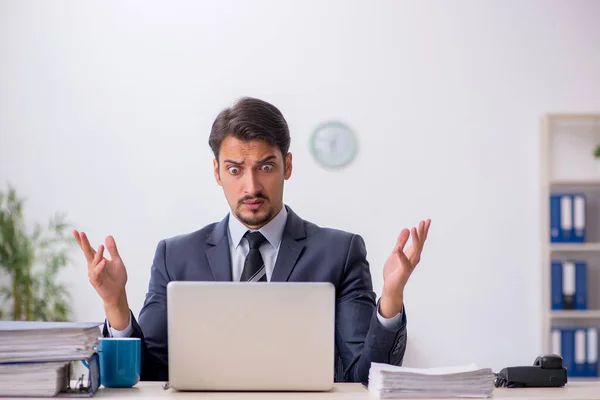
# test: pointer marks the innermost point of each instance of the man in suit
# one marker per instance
(262, 239)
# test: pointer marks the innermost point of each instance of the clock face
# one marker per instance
(333, 145)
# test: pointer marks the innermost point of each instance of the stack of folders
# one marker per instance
(567, 217)
(579, 349)
(389, 382)
(36, 357)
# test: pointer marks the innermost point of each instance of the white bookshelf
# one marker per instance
(575, 247)
(574, 314)
(567, 165)
(578, 183)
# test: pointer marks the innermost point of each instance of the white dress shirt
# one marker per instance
(239, 248)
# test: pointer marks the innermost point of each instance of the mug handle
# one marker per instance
(84, 362)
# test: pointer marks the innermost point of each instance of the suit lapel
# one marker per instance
(290, 248)
(218, 256)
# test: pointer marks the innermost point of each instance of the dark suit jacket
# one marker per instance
(307, 253)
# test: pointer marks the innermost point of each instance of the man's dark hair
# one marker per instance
(250, 119)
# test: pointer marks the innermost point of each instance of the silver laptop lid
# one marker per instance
(251, 336)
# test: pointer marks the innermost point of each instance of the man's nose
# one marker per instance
(252, 184)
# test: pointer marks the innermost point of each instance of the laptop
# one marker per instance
(257, 336)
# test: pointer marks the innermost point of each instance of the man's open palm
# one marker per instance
(108, 277)
(402, 262)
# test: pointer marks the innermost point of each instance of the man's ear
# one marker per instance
(288, 166)
(216, 171)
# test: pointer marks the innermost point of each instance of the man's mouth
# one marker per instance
(253, 204)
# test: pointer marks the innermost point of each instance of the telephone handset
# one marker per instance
(546, 371)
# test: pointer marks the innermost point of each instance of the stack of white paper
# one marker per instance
(22, 341)
(35, 356)
(33, 379)
(388, 382)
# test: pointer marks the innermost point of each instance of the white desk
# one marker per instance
(154, 390)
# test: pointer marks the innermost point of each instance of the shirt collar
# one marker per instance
(273, 231)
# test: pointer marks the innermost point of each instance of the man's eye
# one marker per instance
(234, 170)
(267, 167)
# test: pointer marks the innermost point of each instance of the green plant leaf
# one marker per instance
(32, 261)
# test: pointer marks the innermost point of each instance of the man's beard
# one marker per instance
(254, 219)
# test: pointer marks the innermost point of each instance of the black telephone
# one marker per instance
(546, 371)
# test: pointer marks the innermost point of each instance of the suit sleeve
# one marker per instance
(152, 326)
(361, 337)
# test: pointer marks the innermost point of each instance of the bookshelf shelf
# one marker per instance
(575, 183)
(575, 314)
(573, 247)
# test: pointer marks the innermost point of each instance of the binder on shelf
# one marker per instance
(568, 285)
(581, 285)
(592, 353)
(555, 228)
(567, 345)
(556, 341)
(556, 284)
(566, 218)
(579, 216)
(580, 360)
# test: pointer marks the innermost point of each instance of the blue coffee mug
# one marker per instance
(120, 362)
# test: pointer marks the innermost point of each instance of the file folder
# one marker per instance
(36, 358)
(579, 216)
(555, 228)
(566, 218)
(84, 387)
(580, 368)
(592, 352)
(556, 341)
(568, 350)
(556, 290)
(48, 379)
(581, 285)
(568, 285)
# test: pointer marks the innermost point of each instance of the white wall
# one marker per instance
(105, 110)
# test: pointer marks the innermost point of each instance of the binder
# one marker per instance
(555, 229)
(580, 364)
(580, 285)
(556, 341)
(566, 218)
(568, 285)
(592, 352)
(568, 351)
(579, 217)
(22, 376)
(36, 358)
(84, 387)
(556, 284)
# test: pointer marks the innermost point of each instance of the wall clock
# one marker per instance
(333, 145)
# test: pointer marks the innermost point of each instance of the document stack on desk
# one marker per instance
(47, 341)
(33, 379)
(35, 357)
(389, 382)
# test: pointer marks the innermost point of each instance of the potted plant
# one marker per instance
(30, 261)
(597, 156)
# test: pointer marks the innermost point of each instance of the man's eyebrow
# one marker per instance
(271, 157)
(233, 162)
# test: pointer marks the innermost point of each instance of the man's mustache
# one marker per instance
(257, 196)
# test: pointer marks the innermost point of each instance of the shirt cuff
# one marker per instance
(116, 333)
(390, 323)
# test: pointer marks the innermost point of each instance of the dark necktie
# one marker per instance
(254, 266)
